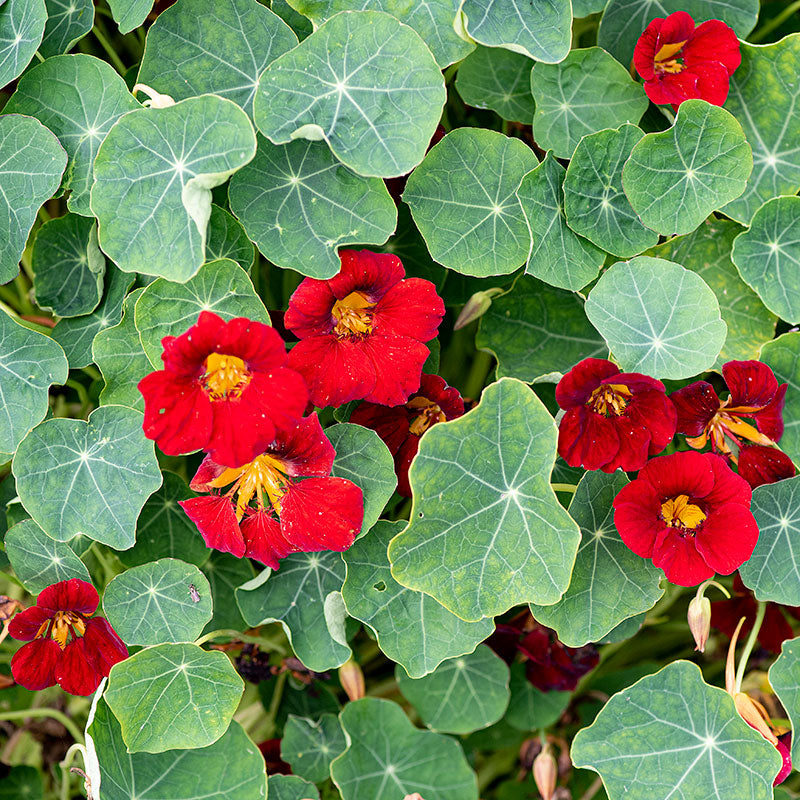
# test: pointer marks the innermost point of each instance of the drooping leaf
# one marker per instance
(173, 697)
(657, 317)
(309, 746)
(784, 677)
(290, 787)
(153, 176)
(68, 21)
(379, 124)
(91, 98)
(529, 708)
(22, 24)
(304, 596)
(486, 530)
(388, 757)
(412, 628)
(226, 238)
(566, 96)
(226, 573)
(130, 14)
(782, 355)
(91, 478)
(676, 178)
(610, 583)
(673, 730)
(463, 200)
(300, 205)
(195, 48)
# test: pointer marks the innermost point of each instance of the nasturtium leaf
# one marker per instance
(22, 783)
(594, 202)
(559, 256)
(304, 596)
(226, 238)
(118, 353)
(388, 757)
(625, 630)
(676, 178)
(300, 205)
(31, 165)
(673, 732)
(486, 530)
(91, 97)
(610, 583)
(226, 573)
(365, 83)
(412, 628)
(40, 561)
(568, 106)
(657, 317)
(129, 14)
(707, 251)
(67, 22)
(535, 330)
(173, 697)
(68, 267)
(290, 787)
(230, 769)
(462, 695)
(540, 29)
(30, 363)
(768, 256)
(195, 48)
(529, 708)
(22, 24)
(499, 79)
(784, 677)
(363, 458)
(154, 603)
(782, 355)
(153, 177)
(309, 746)
(170, 309)
(76, 334)
(582, 8)
(463, 200)
(91, 478)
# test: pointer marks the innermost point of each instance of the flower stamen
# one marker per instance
(610, 399)
(224, 376)
(263, 475)
(427, 413)
(678, 512)
(353, 315)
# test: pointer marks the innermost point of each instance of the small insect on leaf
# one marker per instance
(193, 593)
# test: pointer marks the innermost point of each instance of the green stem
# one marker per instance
(750, 644)
(105, 564)
(83, 396)
(767, 28)
(563, 487)
(110, 51)
(481, 364)
(65, 764)
(52, 713)
(226, 633)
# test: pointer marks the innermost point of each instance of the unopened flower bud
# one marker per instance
(699, 617)
(415, 796)
(155, 99)
(352, 679)
(545, 773)
(476, 307)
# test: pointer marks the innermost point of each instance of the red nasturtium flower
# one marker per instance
(362, 332)
(680, 62)
(401, 427)
(613, 419)
(283, 501)
(224, 388)
(690, 513)
(64, 645)
(759, 465)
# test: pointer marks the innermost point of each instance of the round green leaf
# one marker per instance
(173, 697)
(30, 363)
(388, 757)
(31, 165)
(227, 239)
(376, 106)
(91, 98)
(170, 309)
(676, 178)
(559, 256)
(486, 530)
(535, 331)
(673, 730)
(130, 14)
(610, 583)
(153, 176)
(68, 21)
(226, 573)
(566, 97)
(462, 695)
(195, 48)
(464, 202)
(290, 787)
(40, 561)
(782, 355)
(657, 317)
(300, 205)
(162, 601)
(91, 478)
(768, 256)
(309, 746)
(22, 24)
(540, 29)
(499, 79)
(784, 677)
(304, 596)
(412, 628)
(529, 708)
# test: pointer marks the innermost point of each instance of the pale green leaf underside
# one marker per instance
(486, 531)
(67, 22)
(130, 14)
(782, 355)
(226, 238)
(22, 24)
(784, 677)
(309, 746)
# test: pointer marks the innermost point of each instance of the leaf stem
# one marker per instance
(481, 364)
(52, 713)
(110, 51)
(767, 28)
(750, 644)
(65, 764)
(240, 637)
(563, 487)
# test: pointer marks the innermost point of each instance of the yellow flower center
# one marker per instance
(225, 376)
(678, 512)
(610, 399)
(59, 627)
(428, 413)
(263, 475)
(664, 61)
(353, 315)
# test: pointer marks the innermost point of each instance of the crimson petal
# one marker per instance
(25, 625)
(696, 405)
(103, 646)
(74, 673)
(33, 665)
(215, 518)
(71, 595)
(759, 464)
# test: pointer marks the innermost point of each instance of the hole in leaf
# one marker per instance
(380, 586)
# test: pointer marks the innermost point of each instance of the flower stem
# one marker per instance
(65, 764)
(28, 713)
(767, 28)
(750, 644)
(110, 51)
(563, 487)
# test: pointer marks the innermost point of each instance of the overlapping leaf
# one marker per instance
(130, 14)
(290, 787)
(226, 238)
(784, 677)
(68, 21)
(309, 746)
(22, 24)
(529, 708)
(782, 355)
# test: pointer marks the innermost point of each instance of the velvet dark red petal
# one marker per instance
(391, 424)
(784, 748)
(770, 419)
(446, 397)
(103, 647)
(688, 473)
(634, 445)
(34, 664)
(637, 510)
(728, 486)
(696, 405)
(759, 464)
(208, 471)
(577, 385)
(372, 274)
(711, 82)
(25, 625)
(74, 673)
(215, 518)
(654, 411)
(303, 449)
(310, 309)
(264, 540)
(644, 54)
(716, 41)
(402, 464)
(727, 538)
(410, 308)
(679, 558)
(751, 383)
(677, 27)
(71, 595)
(587, 439)
(397, 362)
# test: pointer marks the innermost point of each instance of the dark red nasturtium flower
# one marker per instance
(680, 62)
(401, 427)
(362, 332)
(759, 464)
(283, 501)
(689, 513)
(224, 388)
(613, 420)
(64, 645)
